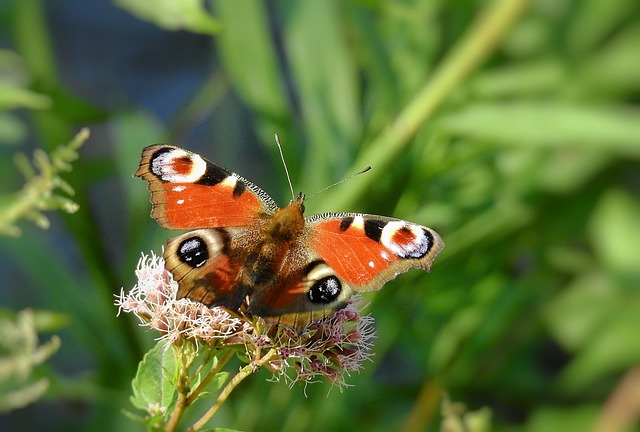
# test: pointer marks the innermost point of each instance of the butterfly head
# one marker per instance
(298, 200)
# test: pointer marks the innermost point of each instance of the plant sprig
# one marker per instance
(38, 194)
(192, 361)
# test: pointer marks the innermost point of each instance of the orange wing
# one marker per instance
(365, 251)
(339, 254)
(188, 191)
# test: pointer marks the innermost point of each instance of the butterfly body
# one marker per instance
(292, 269)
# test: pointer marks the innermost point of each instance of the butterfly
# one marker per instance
(292, 270)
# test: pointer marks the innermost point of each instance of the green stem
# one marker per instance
(476, 45)
(184, 361)
(212, 373)
(237, 379)
(178, 411)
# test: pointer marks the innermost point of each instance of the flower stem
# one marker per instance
(237, 379)
(177, 413)
(182, 386)
(212, 373)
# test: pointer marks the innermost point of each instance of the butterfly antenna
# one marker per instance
(286, 170)
(362, 171)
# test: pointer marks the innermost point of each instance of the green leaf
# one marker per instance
(615, 232)
(188, 15)
(612, 348)
(220, 430)
(594, 21)
(581, 418)
(154, 383)
(12, 130)
(582, 308)
(519, 79)
(614, 67)
(598, 315)
(49, 321)
(12, 97)
(325, 76)
(597, 318)
(550, 125)
(215, 383)
(250, 58)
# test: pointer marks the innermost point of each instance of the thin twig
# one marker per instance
(178, 411)
(182, 386)
(212, 373)
(237, 379)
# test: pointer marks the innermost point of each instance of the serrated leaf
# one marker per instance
(154, 383)
(153, 422)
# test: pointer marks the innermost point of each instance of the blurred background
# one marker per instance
(511, 127)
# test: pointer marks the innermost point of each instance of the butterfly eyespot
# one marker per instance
(193, 252)
(325, 290)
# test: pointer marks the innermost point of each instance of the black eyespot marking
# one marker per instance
(193, 252)
(325, 290)
(345, 223)
(373, 228)
(213, 175)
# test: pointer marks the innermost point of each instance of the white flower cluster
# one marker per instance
(331, 347)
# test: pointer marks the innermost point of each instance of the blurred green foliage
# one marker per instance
(516, 136)
(20, 353)
(39, 194)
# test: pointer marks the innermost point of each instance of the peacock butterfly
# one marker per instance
(292, 270)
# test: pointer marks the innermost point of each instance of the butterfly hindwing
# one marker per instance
(338, 255)
(208, 266)
(188, 191)
(306, 289)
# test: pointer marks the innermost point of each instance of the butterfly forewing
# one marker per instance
(367, 250)
(188, 191)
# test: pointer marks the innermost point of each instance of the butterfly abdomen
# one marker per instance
(267, 261)
(279, 232)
